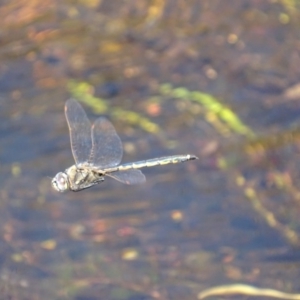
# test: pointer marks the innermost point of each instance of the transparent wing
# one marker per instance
(128, 177)
(80, 131)
(107, 148)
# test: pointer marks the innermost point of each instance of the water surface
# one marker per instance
(174, 77)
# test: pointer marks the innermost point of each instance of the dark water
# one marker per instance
(204, 77)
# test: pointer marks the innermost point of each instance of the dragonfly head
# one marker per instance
(60, 182)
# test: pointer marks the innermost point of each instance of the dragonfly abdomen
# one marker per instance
(153, 162)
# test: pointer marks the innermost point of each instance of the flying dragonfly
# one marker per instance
(98, 151)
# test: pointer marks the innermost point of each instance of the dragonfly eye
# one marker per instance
(60, 182)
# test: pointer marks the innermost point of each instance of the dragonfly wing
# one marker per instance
(107, 148)
(80, 131)
(128, 177)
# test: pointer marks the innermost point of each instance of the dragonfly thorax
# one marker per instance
(80, 178)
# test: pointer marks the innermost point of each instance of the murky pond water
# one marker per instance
(217, 79)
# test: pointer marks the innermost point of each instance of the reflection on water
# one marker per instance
(174, 77)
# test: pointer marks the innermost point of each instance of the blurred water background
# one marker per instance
(218, 79)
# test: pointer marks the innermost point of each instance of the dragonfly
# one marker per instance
(97, 151)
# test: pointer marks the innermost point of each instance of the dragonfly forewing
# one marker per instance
(107, 150)
(80, 131)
